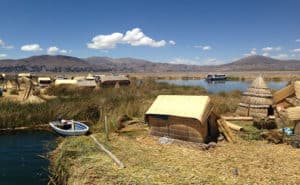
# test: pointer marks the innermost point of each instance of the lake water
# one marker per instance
(20, 162)
(225, 86)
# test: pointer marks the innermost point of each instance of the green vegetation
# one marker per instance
(250, 132)
(88, 104)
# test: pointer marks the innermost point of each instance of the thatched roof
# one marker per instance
(65, 82)
(113, 78)
(197, 107)
(256, 100)
(44, 79)
(259, 83)
(258, 95)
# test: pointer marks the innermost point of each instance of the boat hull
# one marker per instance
(79, 129)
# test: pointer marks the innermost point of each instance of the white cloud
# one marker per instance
(4, 45)
(281, 56)
(204, 48)
(172, 42)
(268, 49)
(31, 47)
(297, 50)
(266, 54)
(3, 55)
(297, 40)
(63, 51)
(52, 50)
(134, 37)
(105, 41)
(252, 52)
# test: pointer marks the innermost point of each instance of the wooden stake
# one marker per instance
(111, 155)
(106, 128)
(234, 126)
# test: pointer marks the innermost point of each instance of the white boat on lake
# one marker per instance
(69, 128)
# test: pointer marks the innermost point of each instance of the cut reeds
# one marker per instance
(283, 93)
(297, 89)
(293, 113)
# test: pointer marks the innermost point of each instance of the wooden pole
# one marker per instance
(111, 155)
(237, 118)
(234, 126)
(106, 128)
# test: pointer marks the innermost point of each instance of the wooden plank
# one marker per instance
(234, 126)
(225, 130)
(111, 155)
(237, 118)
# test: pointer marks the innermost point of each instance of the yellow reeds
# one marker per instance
(283, 93)
(297, 89)
(293, 113)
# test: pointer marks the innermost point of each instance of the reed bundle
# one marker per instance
(283, 93)
(297, 89)
(293, 113)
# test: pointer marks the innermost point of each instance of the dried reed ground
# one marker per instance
(147, 162)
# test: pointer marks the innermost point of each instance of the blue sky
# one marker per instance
(183, 31)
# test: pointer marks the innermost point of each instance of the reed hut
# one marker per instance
(188, 118)
(65, 82)
(257, 101)
(112, 81)
(44, 81)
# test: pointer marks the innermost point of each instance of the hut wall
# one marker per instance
(112, 83)
(254, 112)
(187, 129)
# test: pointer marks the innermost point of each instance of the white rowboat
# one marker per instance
(70, 128)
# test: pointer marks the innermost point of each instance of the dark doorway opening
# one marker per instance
(270, 111)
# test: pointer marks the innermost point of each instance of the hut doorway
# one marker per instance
(270, 111)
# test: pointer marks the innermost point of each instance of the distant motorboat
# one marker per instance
(69, 128)
(216, 77)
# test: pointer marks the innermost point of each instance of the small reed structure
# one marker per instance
(113, 81)
(257, 101)
(188, 118)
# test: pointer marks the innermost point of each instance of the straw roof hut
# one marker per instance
(257, 101)
(188, 118)
(113, 80)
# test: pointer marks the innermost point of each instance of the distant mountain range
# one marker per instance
(60, 63)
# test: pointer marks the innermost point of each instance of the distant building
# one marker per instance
(111, 81)
(44, 81)
(28, 75)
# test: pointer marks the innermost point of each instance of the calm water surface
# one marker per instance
(20, 162)
(225, 86)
